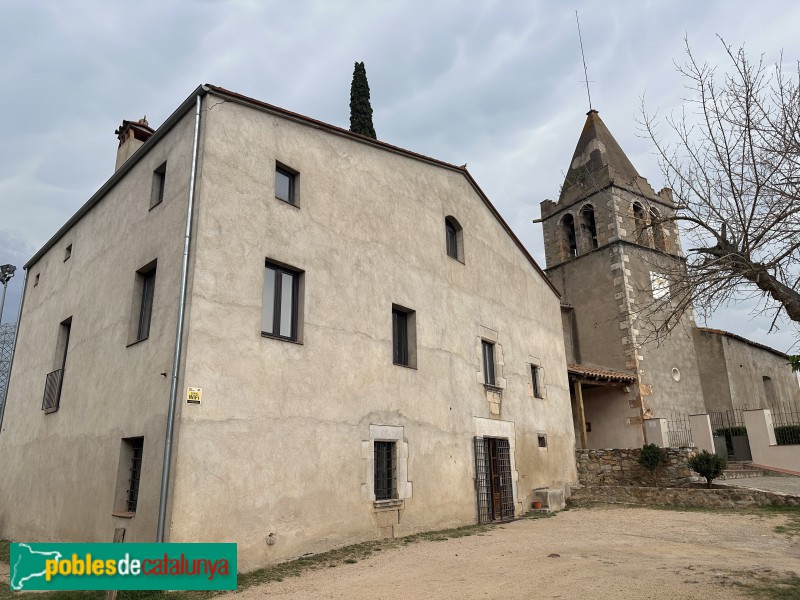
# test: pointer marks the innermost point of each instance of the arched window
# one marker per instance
(640, 232)
(568, 231)
(454, 238)
(659, 239)
(588, 226)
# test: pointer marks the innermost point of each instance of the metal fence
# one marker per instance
(7, 331)
(786, 424)
(680, 431)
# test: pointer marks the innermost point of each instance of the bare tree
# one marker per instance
(732, 160)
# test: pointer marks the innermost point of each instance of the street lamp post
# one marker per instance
(6, 273)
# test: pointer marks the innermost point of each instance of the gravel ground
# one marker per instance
(602, 553)
(787, 485)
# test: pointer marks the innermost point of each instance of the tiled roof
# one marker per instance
(600, 374)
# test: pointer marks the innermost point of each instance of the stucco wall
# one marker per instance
(763, 446)
(59, 470)
(281, 443)
(711, 362)
(747, 365)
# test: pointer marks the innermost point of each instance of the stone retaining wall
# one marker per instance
(619, 467)
(686, 497)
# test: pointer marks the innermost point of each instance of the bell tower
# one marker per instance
(609, 247)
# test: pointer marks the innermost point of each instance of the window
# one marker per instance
(385, 471)
(640, 225)
(159, 180)
(568, 235)
(488, 362)
(280, 309)
(542, 439)
(659, 238)
(148, 285)
(535, 381)
(454, 238)
(67, 253)
(55, 379)
(769, 390)
(128, 476)
(36, 281)
(588, 225)
(404, 342)
(285, 184)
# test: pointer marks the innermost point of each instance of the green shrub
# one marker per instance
(786, 435)
(651, 457)
(708, 465)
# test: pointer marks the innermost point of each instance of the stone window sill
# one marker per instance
(387, 504)
(123, 515)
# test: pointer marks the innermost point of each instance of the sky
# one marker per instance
(494, 84)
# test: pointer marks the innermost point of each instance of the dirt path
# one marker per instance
(604, 553)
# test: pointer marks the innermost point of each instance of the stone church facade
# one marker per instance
(609, 252)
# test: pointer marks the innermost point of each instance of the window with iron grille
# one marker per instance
(55, 379)
(385, 471)
(488, 362)
(281, 301)
(137, 445)
(128, 476)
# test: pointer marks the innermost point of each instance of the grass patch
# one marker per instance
(4, 550)
(787, 588)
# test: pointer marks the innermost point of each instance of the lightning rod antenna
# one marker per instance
(583, 56)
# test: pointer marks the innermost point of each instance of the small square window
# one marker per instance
(542, 438)
(280, 310)
(285, 184)
(159, 182)
(488, 363)
(385, 471)
(536, 381)
(404, 336)
(67, 253)
(36, 280)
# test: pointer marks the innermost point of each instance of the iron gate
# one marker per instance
(730, 425)
(495, 493)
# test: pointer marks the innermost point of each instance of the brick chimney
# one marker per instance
(131, 135)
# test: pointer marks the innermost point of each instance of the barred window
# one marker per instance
(385, 471)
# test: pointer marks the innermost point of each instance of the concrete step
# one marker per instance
(743, 470)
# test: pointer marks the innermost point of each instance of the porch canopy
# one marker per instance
(580, 375)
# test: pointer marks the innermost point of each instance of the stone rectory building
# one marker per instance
(366, 349)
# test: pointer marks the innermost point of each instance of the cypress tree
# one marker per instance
(360, 107)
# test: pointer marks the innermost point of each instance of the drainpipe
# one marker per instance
(13, 347)
(176, 359)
